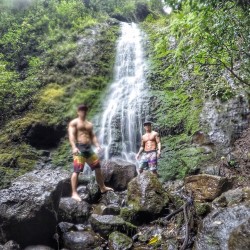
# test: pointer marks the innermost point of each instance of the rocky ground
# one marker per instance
(203, 211)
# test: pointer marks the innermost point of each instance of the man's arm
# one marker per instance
(141, 149)
(94, 138)
(158, 141)
(72, 136)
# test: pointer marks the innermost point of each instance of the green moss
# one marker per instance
(7, 159)
(50, 95)
(15, 129)
(62, 156)
(202, 209)
(89, 97)
(15, 160)
(7, 174)
(50, 107)
(121, 241)
(176, 200)
(128, 214)
(181, 160)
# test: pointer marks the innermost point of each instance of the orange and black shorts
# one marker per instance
(86, 155)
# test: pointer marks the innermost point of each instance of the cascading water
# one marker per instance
(125, 107)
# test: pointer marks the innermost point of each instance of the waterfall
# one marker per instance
(125, 106)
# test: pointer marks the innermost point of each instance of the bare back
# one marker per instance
(83, 130)
(149, 141)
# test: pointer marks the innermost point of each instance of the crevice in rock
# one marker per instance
(44, 136)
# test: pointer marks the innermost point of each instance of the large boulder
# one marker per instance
(206, 187)
(232, 197)
(106, 224)
(239, 238)
(146, 194)
(64, 227)
(79, 240)
(76, 236)
(111, 209)
(110, 198)
(109, 204)
(93, 192)
(28, 208)
(119, 241)
(221, 225)
(83, 193)
(118, 173)
(73, 211)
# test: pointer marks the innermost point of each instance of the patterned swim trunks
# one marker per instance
(148, 160)
(87, 155)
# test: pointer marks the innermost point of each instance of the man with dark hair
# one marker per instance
(150, 149)
(81, 138)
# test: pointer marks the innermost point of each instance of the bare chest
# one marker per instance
(83, 127)
(149, 137)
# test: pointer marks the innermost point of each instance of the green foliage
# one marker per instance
(198, 52)
(62, 156)
(127, 9)
(208, 39)
(15, 161)
(88, 97)
(42, 77)
(15, 94)
(178, 4)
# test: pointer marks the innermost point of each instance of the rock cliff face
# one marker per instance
(197, 126)
(225, 122)
(74, 73)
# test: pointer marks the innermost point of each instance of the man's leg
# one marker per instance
(94, 163)
(143, 163)
(100, 181)
(153, 163)
(74, 182)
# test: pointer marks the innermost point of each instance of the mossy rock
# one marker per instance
(129, 214)
(146, 194)
(119, 241)
(106, 224)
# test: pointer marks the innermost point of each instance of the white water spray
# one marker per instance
(126, 106)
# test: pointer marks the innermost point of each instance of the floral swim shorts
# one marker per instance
(86, 155)
(148, 160)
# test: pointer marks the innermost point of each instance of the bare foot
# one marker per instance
(106, 189)
(76, 197)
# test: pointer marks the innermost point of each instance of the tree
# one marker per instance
(212, 37)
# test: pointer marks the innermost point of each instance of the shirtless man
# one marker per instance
(149, 144)
(81, 137)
